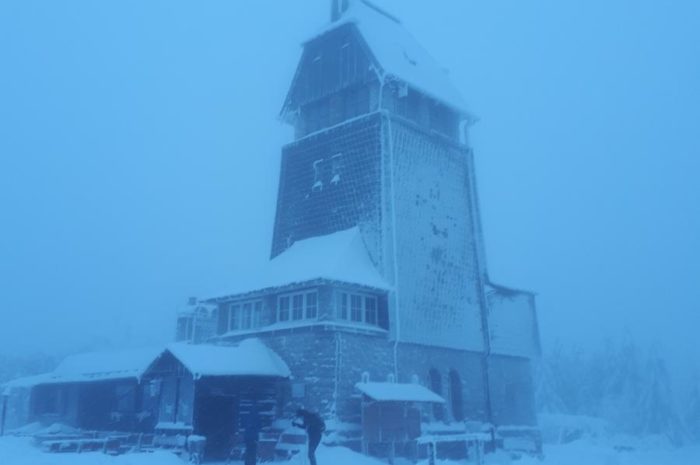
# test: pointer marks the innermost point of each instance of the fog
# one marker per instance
(139, 152)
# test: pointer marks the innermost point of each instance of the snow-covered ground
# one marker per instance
(587, 452)
(19, 451)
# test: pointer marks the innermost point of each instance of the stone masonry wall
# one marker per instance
(438, 280)
(512, 391)
(418, 360)
(330, 361)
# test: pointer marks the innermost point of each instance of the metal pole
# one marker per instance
(4, 414)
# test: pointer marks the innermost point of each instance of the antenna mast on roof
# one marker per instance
(338, 7)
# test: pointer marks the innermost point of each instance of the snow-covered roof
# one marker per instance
(93, 366)
(340, 256)
(249, 358)
(97, 366)
(398, 392)
(25, 382)
(398, 53)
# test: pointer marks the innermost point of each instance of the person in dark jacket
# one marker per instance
(314, 426)
(251, 430)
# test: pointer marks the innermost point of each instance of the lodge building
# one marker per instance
(376, 302)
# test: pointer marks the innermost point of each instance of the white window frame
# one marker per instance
(279, 308)
(235, 313)
(304, 306)
(345, 299)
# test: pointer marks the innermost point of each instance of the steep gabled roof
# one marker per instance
(341, 256)
(249, 358)
(398, 54)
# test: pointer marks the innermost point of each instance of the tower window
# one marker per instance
(356, 101)
(347, 65)
(336, 167)
(318, 175)
(316, 74)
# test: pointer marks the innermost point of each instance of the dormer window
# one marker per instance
(297, 306)
(358, 308)
(245, 315)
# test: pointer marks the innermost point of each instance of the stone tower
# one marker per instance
(379, 146)
(377, 268)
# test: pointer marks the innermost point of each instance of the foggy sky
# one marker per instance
(139, 152)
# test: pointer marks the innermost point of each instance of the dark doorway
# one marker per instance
(215, 419)
(456, 396)
(436, 387)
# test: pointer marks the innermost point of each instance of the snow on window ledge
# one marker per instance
(291, 325)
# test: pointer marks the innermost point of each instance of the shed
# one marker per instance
(391, 418)
(212, 390)
(97, 390)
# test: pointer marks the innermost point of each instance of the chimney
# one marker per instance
(338, 7)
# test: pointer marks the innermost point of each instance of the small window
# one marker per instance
(235, 316)
(317, 186)
(257, 315)
(344, 315)
(336, 167)
(154, 387)
(370, 310)
(283, 308)
(356, 308)
(316, 74)
(247, 315)
(347, 63)
(298, 306)
(311, 305)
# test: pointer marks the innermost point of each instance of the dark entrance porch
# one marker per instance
(216, 392)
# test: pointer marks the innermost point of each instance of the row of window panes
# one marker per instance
(300, 306)
(358, 308)
(245, 315)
